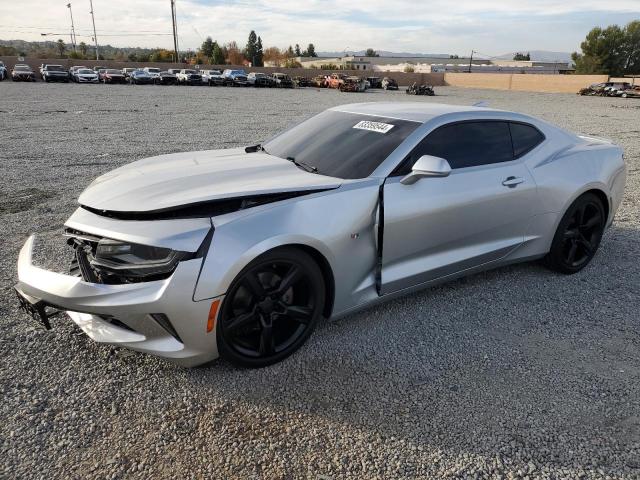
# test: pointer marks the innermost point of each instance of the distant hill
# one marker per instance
(382, 53)
(540, 56)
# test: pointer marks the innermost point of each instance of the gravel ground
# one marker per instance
(513, 373)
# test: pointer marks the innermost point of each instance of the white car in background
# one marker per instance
(212, 77)
(85, 75)
(153, 72)
(3, 71)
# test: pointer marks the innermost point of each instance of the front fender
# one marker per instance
(339, 224)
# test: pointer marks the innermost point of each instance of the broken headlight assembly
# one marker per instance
(103, 260)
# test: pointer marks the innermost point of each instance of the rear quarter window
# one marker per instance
(525, 138)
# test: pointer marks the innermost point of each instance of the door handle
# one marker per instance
(512, 182)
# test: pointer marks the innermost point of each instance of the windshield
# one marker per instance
(113, 72)
(153, 70)
(22, 68)
(340, 144)
(54, 68)
(85, 70)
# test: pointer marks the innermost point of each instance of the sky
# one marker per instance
(490, 27)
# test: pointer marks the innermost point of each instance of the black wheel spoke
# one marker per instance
(298, 313)
(586, 246)
(293, 275)
(571, 233)
(572, 252)
(267, 345)
(592, 222)
(253, 283)
(241, 321)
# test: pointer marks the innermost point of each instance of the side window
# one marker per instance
(525, 138)
(468, 144)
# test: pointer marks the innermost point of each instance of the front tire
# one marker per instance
(271, 308)
(578, 235)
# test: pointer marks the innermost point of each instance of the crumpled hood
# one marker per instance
(168, 181)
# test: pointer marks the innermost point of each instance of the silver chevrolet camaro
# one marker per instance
(239, 253)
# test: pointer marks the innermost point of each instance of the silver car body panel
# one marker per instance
(433, 230)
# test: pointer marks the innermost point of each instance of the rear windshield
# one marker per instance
(54, 68)
(153, 70)
(113, 71)
(340, 144)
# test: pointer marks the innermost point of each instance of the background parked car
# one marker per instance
(258, 79)
(282, 80)
(73, 70)
(85, 75)
(97, 68)
(22, 73)
(189, 77)
(127, 71)
(140, 77)
(374, 82)
(353, 84)
(153, 71)
(175, 71)
(207, 76)
(389, 84)
(111, 75)
(235, 77)
(302, 82)
(3, 71)
(335, 80)
(165, 78)
(319, 81)
(55, 73)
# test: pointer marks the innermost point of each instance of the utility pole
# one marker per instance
(95, 37)
(471, 59)
(73, 30)
(175, 29)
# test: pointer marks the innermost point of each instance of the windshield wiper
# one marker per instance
(304, 166)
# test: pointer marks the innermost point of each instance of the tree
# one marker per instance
(252, 47)
(207, 48)
(259, 54)
(218, 57)
(612, 51)
(273, 55)
(290, 53)
(310, 51)
(234, 55)
(83, 48)
(61, 47)
(371, 53)
(297, 51)
(409, 69)
(522, 57)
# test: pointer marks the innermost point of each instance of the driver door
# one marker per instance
(478, 214)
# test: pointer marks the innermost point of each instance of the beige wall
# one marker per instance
(523, 82)
(435, 79)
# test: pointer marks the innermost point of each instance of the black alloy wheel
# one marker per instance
(578, 235)
(271, 308)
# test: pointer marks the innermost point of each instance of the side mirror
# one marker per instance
(427, 166)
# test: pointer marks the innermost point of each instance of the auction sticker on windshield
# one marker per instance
(373, 126)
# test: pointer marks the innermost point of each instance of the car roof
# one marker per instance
(412, 111)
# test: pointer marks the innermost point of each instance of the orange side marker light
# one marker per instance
(213, 313)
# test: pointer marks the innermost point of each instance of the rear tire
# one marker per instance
(578, 235)
(271, 308)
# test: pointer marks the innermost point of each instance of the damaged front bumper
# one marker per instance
(157, 317)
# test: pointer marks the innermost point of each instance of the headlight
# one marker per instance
(134, 260)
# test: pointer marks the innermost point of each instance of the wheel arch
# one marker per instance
(327, 274)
